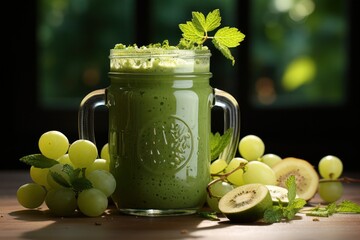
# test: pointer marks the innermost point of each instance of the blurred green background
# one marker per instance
(294, 76)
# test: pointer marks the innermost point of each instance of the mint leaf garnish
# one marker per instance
(287, 212)
(345, 206)
(195, 32)
(80, 184)
(209, 215)
(38, 160)
(71, 172)
(211, 22)
(58, 178)
(273, 214)
(291, 187)
(219, 142)
(191, 33)
(224, 50)
(228, 37)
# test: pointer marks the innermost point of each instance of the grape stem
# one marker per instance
(343, 179)
(222, 177)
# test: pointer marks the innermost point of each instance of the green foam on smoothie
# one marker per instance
(152, 59)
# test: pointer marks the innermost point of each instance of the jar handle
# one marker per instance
(231, 111)
(86, 113)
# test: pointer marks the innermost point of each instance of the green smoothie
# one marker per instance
(159, 105)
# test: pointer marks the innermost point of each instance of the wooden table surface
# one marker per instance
(17, 222)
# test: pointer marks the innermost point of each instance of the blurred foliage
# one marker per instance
(297, 47)
(298, 54)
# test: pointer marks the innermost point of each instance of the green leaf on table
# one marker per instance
(273, 214)
(38, 160)
(209, 215)
(345, 206)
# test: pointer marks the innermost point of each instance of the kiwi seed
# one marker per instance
(306, 177)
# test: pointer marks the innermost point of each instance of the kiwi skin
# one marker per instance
(248, 214)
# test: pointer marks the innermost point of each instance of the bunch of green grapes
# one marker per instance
(330, 169)
(252, 167)
(68, 177)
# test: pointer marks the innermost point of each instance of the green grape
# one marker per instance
(236, 177)
(270, 159)
(217, 166)
(82, 153)
(92, 202)
(330, 167)
(98, 164)
(104, 153)
(64, 159)
(251, 147)
(103, 180)
(218, 189)
(61, 202)
(39, 176)
(53, 144)
(57, 171)
(31, 195)
(259, 172)
(330, 191)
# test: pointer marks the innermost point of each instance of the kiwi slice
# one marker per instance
(246, 203)
(306, 177)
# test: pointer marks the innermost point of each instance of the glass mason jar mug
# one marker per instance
(159, 104)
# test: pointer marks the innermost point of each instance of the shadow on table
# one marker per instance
(115, 225)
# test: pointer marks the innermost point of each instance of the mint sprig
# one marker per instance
(77, 180)
(38, 160)
(196, 32)
(209, 215)
(345, 206)
(58, 178)
(286, 212)
(219, 142)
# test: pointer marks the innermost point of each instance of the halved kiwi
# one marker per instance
(246, 203)
(306, 177)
